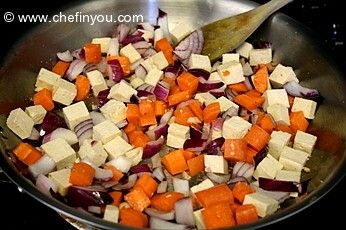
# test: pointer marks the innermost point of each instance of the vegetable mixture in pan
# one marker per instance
(140, 129)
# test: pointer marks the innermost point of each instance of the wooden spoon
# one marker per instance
(227, 34)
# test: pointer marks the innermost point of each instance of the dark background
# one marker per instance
(326, 18)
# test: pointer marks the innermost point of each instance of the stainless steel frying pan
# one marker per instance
(292, 43)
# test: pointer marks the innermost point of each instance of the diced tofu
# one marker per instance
(62, 179)
(61, 152)
(215, 164)
(153, 76)
(97, 81)
(36, 113)
(105, 131)
(180, 31)
(230, 58)
(148, 64)
(75, 114)
(248, 70)
(179, 130)
(260, 56)
(64, 92)
(214, 76)
(147, 34)
(231, 72)
(93, 152)
(281, 75)
(279, 113)
(293, 159)
(285, 175)
(205, 98)
(197, 61)
(104, 43)
(46, 79)
(226, 104)
(130, 52)
(181, 186)
(135, 155)
(199, 219)
(307, 106)
(304, 141)
(235, 128)
(117, 147)
(207, 183)
(114, 110)
(122, 91)
(111, 213)
(136, 82)
(20, 123)
(278, 140)
(267, 168)
(265, 205)
(275, 96)
(244, 50)
(175, 142)
(159, 60)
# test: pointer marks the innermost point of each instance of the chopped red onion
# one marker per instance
(230, 94)
(102, 97)
(87, 196)
(262, 44)
(122, 31)
(158, 174)
(191, 44)
(140, 72)
(293, 88)
(218, 92)
(130, 183)
(149, 52)
(205, 86)
(173, 71)
(200, 73)
(243, 169)
(76, 67)
(181, 186)
(89, 67)
(218, 178)
(35, 135)
(44, 184)
(146, 26)
(43, 166)
(161, 91)
(113, 49)
(140, 168)
(214, 147)
(109, 184)
(157, 223)
(133, 38)
(231, 112)
(103, 174)
(102, 65)
(122, 163)
(65, 56)
(166, 117)
(277, 185)
(162, 22)
(114, 70)
(162, 188)
(66, 134)
(152, 147)
(135, 65)
(78, 53)
(141, 45)
(195, 145)
(184, 212)
(94, 209)
(51, 122)
(97, 117)
(157, 132)
(276, 195)
(235, 180)
(152, 212)
(82, 127)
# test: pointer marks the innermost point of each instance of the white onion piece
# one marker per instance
(140, 72)
(293, 88)
(158, 173)
(158, 35)
(276, 195)
(69, 136)
(109, 184)
(243, 169)
(147, 26)
(184, 212)
(78, 53)
(87, 134)
(75, 68)
(94, 209)
(103, 174)
(43, 166)
(162, 187)
(35, 134)
(65, 56)
(131, 182)
(152, 212)
(157, 223)
(113, 49)
(102, 65)
(97, 117)
(165, 117)
(181, 186)
(122, 163)
(218, 178)
(44, 184)
(156, 160)
(149, 52)
(134, 65)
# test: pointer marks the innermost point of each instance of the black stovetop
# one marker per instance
(325, 17)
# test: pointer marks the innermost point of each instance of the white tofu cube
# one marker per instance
(278, 140)
(267, 168)
(20, 123)
(117, 147)
(181, 186)
(159, 60)
(61, 152)
(114, 110)
(265, 205)
(111, 213)
(285, 175)
(207, 183)
(93, 152)
(230, 58)
(199, 219)
(135, 155)
(62, 179)
(307, 106)
(279, 113)
(97, 81)
(214, 76)
(235, 128)
(75, 114)
(226, 104)
(304, 141)
(215, 164)
(180, 31)
(105, 131)
(247, 70)
(293, 159)
(231, 72)
(153, 76)
(148, 64)
(260, 56)
(244, 50)
(122, 91)
(275, 96)
(46, 79)
(104, 43)
(130, 52)
(281, 75)
(36, 113)
(197, 61)
(158, 35)
(205, 98)
(64, 92)
(175, 142)
(136, 82)
(179, 130)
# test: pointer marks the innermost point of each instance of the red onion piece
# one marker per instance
(162, 21)
(161, 91)
(35, 135)
(66, 134)
(200, 73)
(218, 93)
(195, 145)
(97, 117)
(141, 45)
(276, 195)
(76, 67)
(78, 53)
(157, 223)
(140, 168)
(149, 52)
(146, 26)
(87, 196)
(235, 180)
(152, 148)
(152, 212)
(122, 31)
(218, 178)
(166, 117)
(293, 88)
(158, 131)
(158, 174)
(82, 126)
(135, 65)
(189, 45)
(243, 169)
(103, 174)
(130, 183)
(277, 185)
(102, 97)
(88, 68)
(44, 184)
(231, 112)
(248, 83)
(214, 147)
(51, 122)
(262, 44)
(184, 212)
(114, 70)
(43, 166)
(133, 38)
(65, 56)
(140, 72)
